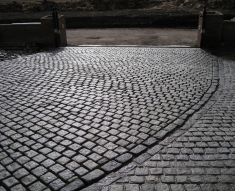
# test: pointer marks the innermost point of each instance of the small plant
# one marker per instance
(194, 46)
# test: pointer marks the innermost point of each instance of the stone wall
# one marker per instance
(25, 34)
(228, 35)
(20, 34)
(47, 34)
(215, 30)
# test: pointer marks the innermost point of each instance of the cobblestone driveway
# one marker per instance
(69, 117)
(197, 157)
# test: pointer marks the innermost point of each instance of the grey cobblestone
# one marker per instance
(18, 187)
(93, 175)
(70, 112)
(205, 159)
(57, 184)
(75, 185)
(38, 186)
(27, 180)
(10, 182)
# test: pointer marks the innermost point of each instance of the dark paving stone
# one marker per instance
(39, 171)
(111, 166)
(124, 158)
(27, 180)
(75, 185)
(10, 182)
(18, 187)
(48, 177)
(4, 174)
(37, 186)
(139, 149)
(66, 175)
(57, 184)
(140, 159)
(20, 173)
(13, 167)
(93, 175)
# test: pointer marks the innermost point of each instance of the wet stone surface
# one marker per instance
(70, 116)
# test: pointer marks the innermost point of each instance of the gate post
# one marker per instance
(201, 27)
(56, 26)
(51, 35)
(210, 29)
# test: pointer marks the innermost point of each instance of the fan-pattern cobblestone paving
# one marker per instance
(69, 117)
(200, 156)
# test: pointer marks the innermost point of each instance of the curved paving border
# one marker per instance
(70, 116)
(199, 156)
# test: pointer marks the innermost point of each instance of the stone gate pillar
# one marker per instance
(48, 39)
(212, 35)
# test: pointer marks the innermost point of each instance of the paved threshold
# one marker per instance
(71, 116)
